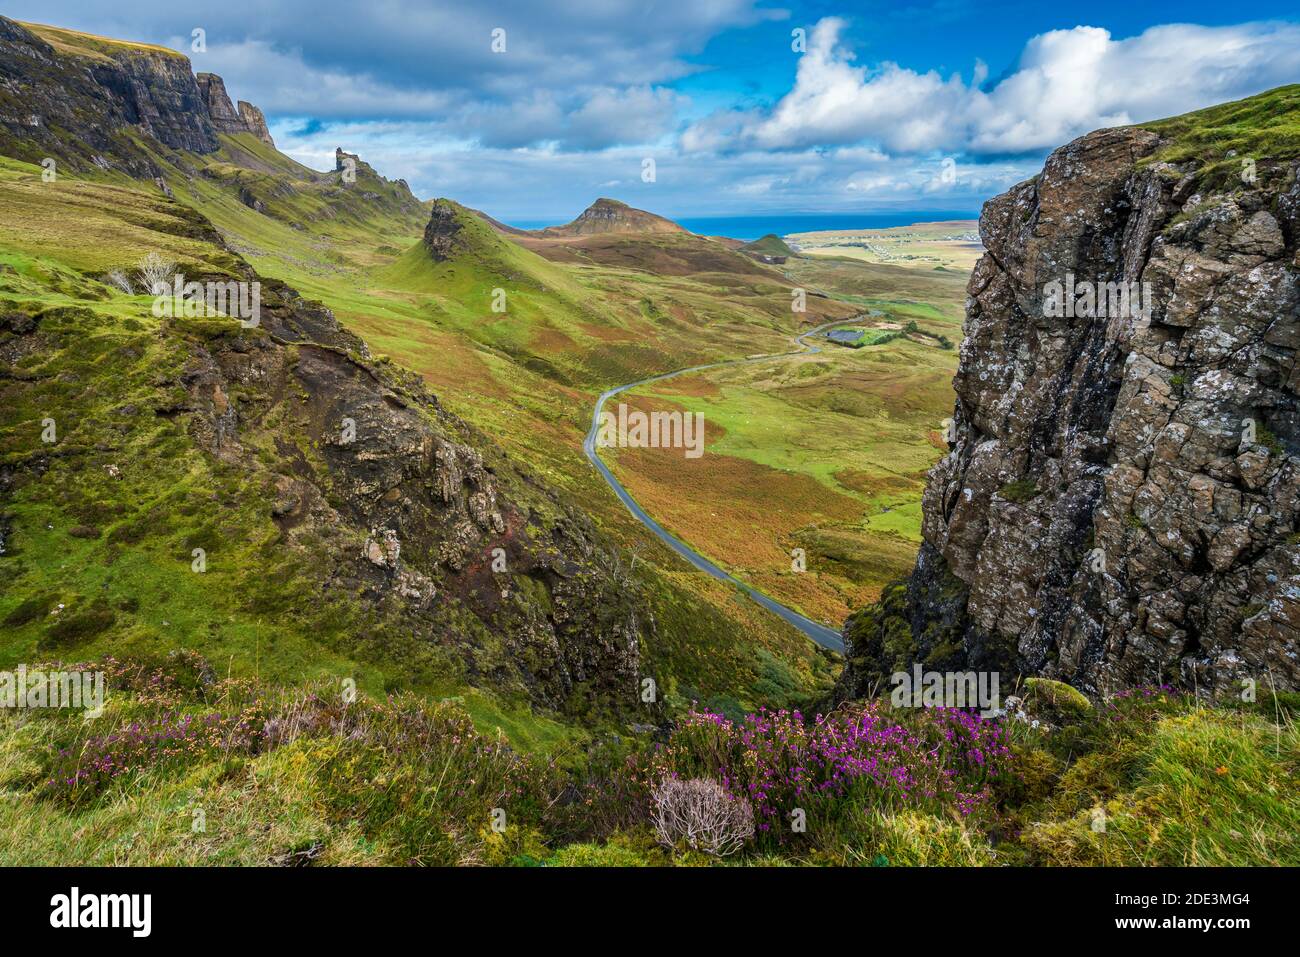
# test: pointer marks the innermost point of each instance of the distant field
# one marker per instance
(950, 245)
(825, 452)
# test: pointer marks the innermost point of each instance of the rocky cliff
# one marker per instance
(222, 113)
(77, 98)
(442, 232)
(1120, 500)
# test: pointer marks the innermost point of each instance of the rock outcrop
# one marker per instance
(223, 114)
(255, 122)
(1121, 497)
(220, 110)
(442, 232)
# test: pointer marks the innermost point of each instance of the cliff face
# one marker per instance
(1121, 497)
(225, 118)
(71, 96)
(70, 105)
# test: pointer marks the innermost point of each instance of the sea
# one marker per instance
(749, 228)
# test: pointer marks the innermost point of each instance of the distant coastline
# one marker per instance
(749, 228)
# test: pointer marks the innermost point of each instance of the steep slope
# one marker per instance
(1121, 499)
(331, 496)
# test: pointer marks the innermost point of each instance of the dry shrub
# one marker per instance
(701, 813)
(155, 269)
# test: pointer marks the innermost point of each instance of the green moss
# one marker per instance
(1056, 696)
(1020, 491)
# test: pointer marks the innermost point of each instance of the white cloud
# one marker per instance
(1068, 82)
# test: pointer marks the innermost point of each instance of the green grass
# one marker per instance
(1263, 129)
(769, 245)
(1200, 787)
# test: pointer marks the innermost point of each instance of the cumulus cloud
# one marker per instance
(1068, 82)
(404, 46)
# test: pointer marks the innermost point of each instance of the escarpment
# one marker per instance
(1120, 501)
(78, 98)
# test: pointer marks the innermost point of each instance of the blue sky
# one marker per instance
(929, 105)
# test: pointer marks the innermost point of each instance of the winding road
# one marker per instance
(826, 637)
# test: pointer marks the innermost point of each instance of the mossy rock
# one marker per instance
(1055, 696)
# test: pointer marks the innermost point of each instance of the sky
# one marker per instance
(529, 110)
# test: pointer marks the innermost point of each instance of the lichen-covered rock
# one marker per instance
(1159, 543)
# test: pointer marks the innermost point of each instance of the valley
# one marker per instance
(370, 581)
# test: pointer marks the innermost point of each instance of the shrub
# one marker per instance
(119, 280)
(938, 759)
(29, 610)
(701, 814)
(76, 627)
(154, 269)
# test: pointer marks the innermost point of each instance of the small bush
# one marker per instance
(154, 269)
(29, 610)
(119, 280)
(702, 815)
(74, 628)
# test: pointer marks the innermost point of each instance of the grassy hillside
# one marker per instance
(191, 768)
(769, 245)
(57, 242)
(1262, 131)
